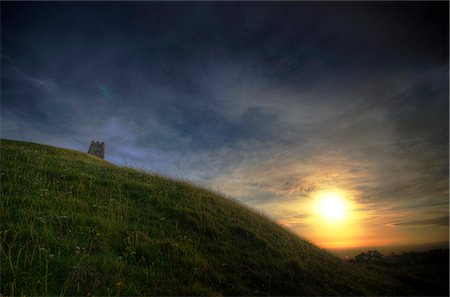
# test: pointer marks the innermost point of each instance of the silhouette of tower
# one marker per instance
(97, 148)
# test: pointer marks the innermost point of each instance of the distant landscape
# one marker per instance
(389, 249)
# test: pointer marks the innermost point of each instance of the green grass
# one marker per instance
(73, 224)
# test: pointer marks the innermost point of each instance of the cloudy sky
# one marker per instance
(268, 103)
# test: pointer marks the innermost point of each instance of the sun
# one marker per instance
(332, 206)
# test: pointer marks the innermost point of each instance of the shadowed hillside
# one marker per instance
(73, 224)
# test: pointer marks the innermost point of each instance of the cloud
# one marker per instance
(441, 221)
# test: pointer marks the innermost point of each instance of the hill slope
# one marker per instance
(73, 224)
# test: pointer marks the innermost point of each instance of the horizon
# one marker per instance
(330, 118)
(385, 250)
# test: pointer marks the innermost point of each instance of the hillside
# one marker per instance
(74, 224)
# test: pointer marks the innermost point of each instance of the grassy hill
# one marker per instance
(73, 224)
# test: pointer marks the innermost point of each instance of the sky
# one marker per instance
(274, 104)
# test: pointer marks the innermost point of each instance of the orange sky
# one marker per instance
(367, 222)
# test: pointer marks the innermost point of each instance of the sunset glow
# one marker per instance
(335, 219)
(331, 206)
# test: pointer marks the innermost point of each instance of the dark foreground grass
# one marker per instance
(73, 224)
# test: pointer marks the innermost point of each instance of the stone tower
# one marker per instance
(97, 148)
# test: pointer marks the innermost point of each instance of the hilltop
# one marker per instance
(74, 224)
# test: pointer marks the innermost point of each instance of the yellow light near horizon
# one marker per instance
(332, 206)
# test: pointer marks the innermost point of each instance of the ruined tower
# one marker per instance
(97, 148)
